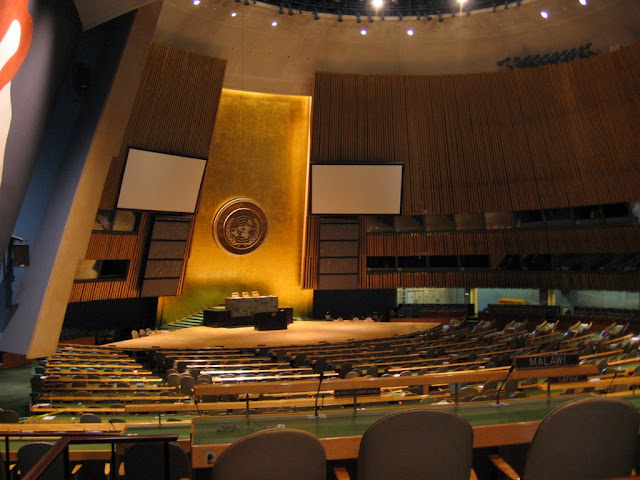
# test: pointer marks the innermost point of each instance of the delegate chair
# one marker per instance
(145, 461)
(590, 438)
(418, 443)
(274, 454)
(28, 456)
(9, 416)
(90, 418)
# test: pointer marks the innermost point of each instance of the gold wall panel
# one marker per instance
(259, 151)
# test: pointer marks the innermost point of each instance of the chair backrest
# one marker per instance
(145, 461)
(28, 456)
(255, 294)
(417, 443)
(9, 416)
(274, 454)
(235, 295)
(186, 384)
(90, 418)
(588, 438)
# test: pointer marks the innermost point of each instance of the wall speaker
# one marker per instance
(21, 255)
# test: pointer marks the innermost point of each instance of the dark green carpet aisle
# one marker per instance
(15, 387)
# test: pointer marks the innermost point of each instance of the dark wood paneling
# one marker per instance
(166, 249)
(338, 265)
(337, 282)
(171, 230)
(338, 249)
(339, 231)
(542, 280)
(610, 239)
(548, 137)
(174, 112)
(545, 137)
(163, 269)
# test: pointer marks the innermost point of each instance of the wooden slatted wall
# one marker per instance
(547, 137)
(174, 112)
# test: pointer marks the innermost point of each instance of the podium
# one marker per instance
(261, 312)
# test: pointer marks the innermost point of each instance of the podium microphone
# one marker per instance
(511, 369)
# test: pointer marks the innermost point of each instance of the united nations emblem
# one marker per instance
(240, 226)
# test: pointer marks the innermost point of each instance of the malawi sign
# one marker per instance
(550, 360)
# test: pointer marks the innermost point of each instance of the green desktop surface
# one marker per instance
(513, 421)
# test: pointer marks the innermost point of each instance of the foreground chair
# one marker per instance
(145, 461)
(28, 455)
(275, 454)
(419, 443)
(590, 438)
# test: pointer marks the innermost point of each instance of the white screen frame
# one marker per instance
(356, 189)
(154, 181)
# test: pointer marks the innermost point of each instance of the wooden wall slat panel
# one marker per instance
(542, 280)
(174, 112)
(614, 239)
(548, 137)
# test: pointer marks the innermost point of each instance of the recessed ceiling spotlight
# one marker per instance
(234, 14)
(583, 2)
(377, 3)
(462, 2)
(363, 31)
(544, 14)
(410, 32)
(196, 2)
(274, 24)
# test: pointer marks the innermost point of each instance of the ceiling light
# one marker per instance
(410, 32)
(583, 2)
(462, 2)
(234, 14)
(544, 14)
(196, 2)
(274, 24)
(377, 3)
(363, 32)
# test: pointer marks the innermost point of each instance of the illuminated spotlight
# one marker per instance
(410, 32)
(583, 2)
(377, 3)
(544, 14)
(363, 31)
(234, 14)
(274, 24)
(196, 2)
(462, 2)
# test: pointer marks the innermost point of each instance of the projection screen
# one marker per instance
(161, 182)
(356, 189)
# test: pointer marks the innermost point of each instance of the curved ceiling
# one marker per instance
(283, 58)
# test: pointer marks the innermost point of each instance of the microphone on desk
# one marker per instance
(615, 374)
(315, 407)
(511, 369)
(196, 402)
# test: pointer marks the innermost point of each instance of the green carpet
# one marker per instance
(15, 387)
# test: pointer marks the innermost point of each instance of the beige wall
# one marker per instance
(259, 151)
(283, 59)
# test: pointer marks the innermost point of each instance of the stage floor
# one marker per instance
(298, 333)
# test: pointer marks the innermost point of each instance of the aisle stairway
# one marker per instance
(195, 320)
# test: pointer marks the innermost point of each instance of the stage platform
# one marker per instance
(298, 333)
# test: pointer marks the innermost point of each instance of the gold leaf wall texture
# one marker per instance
(259, 151)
